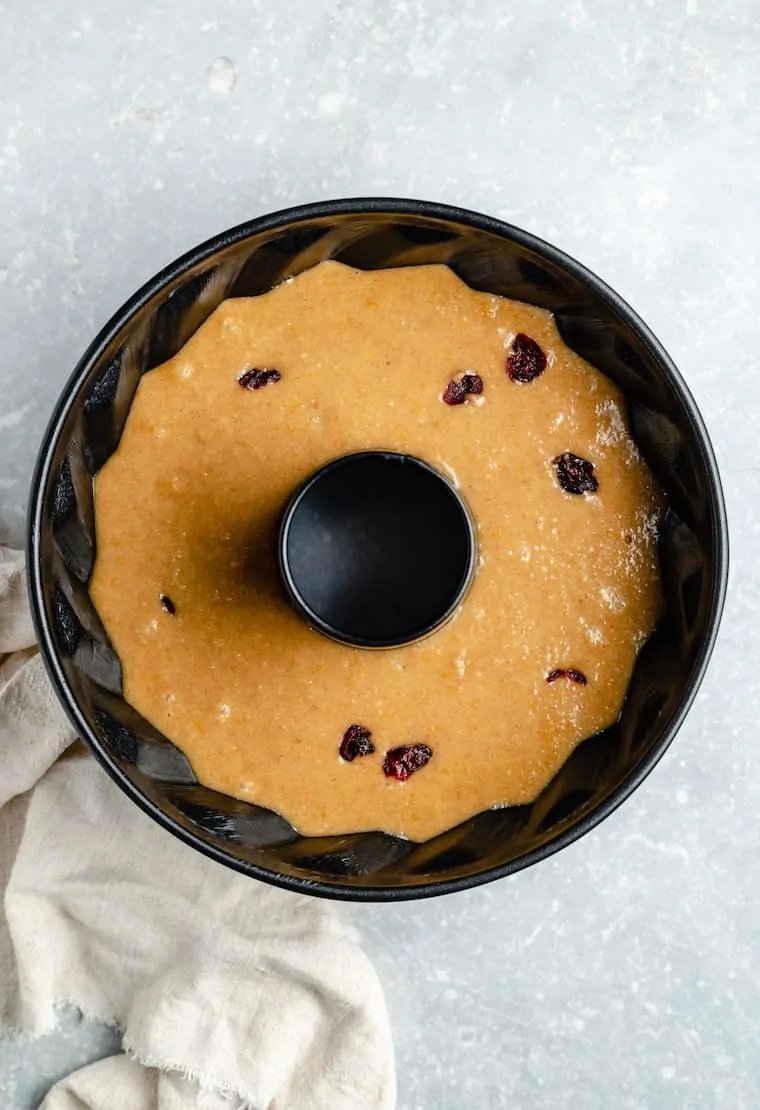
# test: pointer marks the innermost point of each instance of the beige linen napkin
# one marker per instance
(229, 994)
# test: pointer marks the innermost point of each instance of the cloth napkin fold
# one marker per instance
(229, 994)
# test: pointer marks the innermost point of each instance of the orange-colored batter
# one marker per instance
(189, 505)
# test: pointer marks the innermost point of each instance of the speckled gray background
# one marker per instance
(622, 975)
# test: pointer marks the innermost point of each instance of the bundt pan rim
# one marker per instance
(495, 255)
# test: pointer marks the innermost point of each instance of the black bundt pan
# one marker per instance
(488, 255)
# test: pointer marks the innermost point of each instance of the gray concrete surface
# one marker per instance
(623, 974)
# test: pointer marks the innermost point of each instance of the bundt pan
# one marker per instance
(489, 256)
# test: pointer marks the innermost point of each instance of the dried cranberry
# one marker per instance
(356, 741)
(568, 673)
(402, 762)
(473, 383)
(526, 359)
(257, 379)
(167, 604)
(456, 393)
(575, 475)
